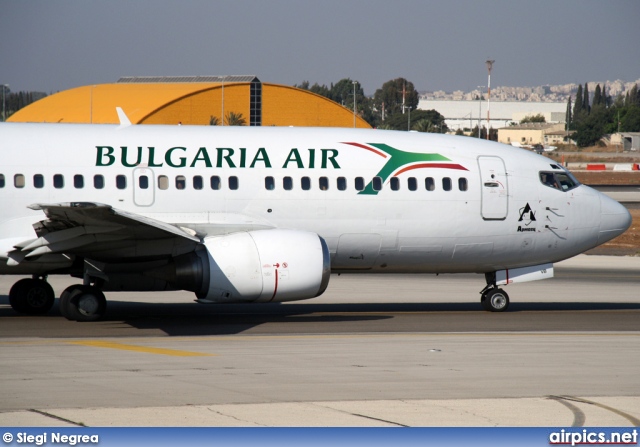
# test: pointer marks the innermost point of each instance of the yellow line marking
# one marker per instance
(330, 336)
(148, 350)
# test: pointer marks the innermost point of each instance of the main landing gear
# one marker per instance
(493, 299)
(34, 296)
(82, 303)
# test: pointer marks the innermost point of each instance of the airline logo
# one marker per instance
(527, 217)
(397, 161)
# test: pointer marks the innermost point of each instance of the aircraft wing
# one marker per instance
(102, 233)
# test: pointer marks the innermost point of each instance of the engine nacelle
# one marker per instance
(265, 266)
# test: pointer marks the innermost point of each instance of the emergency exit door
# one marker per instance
(143, 187)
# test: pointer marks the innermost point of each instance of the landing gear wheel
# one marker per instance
(31, 296)
(495, 300)
(82, 303)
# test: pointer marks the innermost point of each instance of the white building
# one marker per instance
(464, 114)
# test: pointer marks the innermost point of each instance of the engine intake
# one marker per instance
(263, 266)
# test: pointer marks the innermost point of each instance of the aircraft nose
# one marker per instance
(615, 219)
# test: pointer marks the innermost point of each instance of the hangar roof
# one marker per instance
(189, 100)
(185, 79)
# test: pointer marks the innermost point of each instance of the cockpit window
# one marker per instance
(563, 181)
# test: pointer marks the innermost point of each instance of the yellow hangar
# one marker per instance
(199, 100)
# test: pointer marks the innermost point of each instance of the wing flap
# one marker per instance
(86, 228)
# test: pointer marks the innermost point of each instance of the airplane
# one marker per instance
(266, 214)
(539, 148)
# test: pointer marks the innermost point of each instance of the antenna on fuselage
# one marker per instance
(124, 119)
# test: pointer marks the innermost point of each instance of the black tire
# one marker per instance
(64, 305)
(82, 303)
(495, 300)
(31, 296)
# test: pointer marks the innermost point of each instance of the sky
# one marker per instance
(438, 45)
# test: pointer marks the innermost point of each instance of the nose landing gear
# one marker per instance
(493, 299)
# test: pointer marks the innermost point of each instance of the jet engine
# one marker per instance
(256, 266)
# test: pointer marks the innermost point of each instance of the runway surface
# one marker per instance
(374, 350)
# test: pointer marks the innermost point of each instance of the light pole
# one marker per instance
(409, 116)
(480, 108)
(354, 103)
(489, 67)
(4, 93)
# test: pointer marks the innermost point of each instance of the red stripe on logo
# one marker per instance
(382, 154)
(432, 165)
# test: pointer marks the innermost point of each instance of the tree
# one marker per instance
(235, 119)
(214, 121)
(391, 94)
(342, 93)
(597, 97)
(434, 122)
(577, 107)
(631, 120)
(483, 132)
(539, 118)
(585, 101)
(16, 101)
(423, 125)
(321, 90)
(568, 114)
(590, 130)
(633, 96)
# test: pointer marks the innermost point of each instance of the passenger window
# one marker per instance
(98, 181)
(377, 184)
(58, 181)
(143, 182)
(181, 182)
(121, 182)
(269, 183)
(324, 183)
(305, 182)
(462, 184)
(38, 181)
(78, 181)
(163, 182)
(287, 183)
(197, 182)
(412, 184)
(215, 182)
(446, 183)
(1, 180)
(429, 184)
(342, 184)
(395, 183)
(18, 181)
(233, 182)
(359, 184)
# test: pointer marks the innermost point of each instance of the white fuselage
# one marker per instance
(488, 209)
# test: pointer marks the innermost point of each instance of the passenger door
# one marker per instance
(495, 197)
